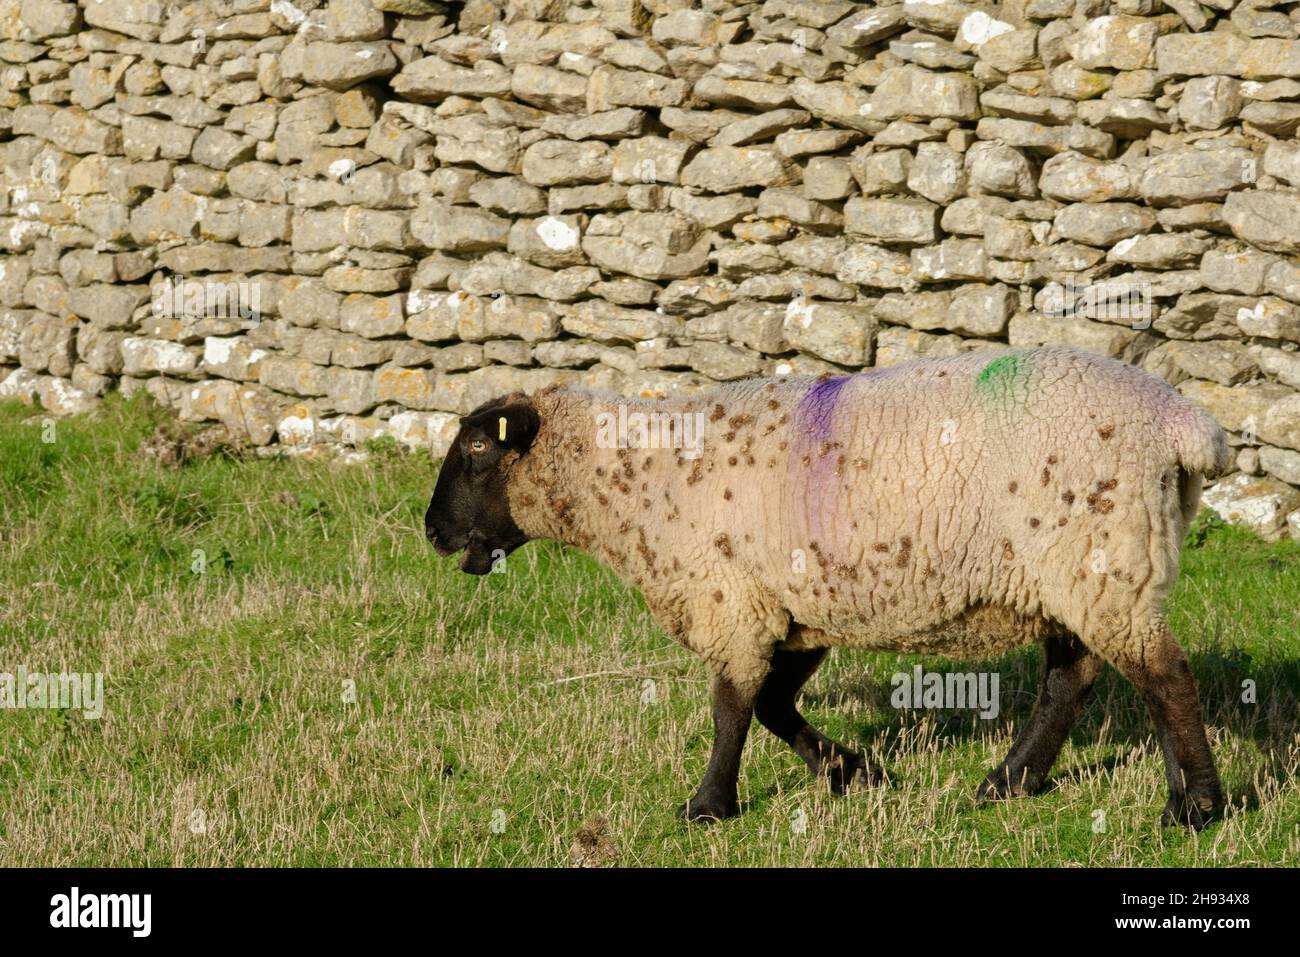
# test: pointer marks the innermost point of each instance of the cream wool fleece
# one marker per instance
(953, 506)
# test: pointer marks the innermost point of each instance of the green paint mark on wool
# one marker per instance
(999, 377)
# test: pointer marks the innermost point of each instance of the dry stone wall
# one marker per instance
(325, 221)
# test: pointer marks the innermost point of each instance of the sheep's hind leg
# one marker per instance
(1157, 667)
(1068, 674)
(716, 796)
(776, 711)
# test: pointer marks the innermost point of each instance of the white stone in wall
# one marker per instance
(1260, 504)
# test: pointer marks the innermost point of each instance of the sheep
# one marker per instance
(955, 506)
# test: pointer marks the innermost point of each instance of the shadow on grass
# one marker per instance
(1271, 721)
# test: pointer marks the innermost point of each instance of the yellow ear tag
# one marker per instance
(501, 433)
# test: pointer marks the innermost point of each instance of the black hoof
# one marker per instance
(708, 808)
(1191, 810)
(849, 769)
(1002, 785)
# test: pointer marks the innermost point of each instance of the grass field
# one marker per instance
(325, 690)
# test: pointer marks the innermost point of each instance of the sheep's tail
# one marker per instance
(1199, 443)
(1201, 449)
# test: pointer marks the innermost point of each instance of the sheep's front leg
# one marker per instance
(776, 711)
(716, 797)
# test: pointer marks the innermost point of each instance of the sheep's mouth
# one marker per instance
(478, 557)
(442, 548)
(475, 555)
(482, 556)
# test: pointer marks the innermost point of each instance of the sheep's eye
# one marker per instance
(478, 445)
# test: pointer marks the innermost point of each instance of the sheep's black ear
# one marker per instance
(511, 422)
(519, 428)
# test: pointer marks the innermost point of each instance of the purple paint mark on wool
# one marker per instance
(818, 443)
(812, 459)
(815, 414)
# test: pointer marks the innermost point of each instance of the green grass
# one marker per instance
(521, 698)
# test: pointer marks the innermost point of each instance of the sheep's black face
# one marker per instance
(469, 509)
